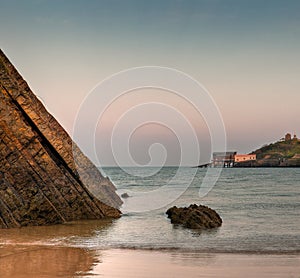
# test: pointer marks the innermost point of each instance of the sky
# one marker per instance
(244, 53)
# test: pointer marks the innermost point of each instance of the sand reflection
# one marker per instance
(160, 264)
(50, 251)
(41, 261)
(69, 234)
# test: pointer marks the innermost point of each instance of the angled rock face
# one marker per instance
(39, 181)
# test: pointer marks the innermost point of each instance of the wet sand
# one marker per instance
(134, 263)
(44, 261)
(52, 261)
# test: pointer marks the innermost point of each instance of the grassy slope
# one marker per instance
(288, 152)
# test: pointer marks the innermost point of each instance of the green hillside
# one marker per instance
(282, 153)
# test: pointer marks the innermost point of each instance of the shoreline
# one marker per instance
(244, 166)
(203, 251)
(48, 261)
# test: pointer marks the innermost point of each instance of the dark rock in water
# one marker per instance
(195, 217)
(125, 195)
(39, 181)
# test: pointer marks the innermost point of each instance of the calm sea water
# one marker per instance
(260, 209)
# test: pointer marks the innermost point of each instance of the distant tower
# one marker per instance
(295, 138)
(288, 137)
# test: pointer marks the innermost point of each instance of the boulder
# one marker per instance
(195, 217)
(125, 195)
(40, 181)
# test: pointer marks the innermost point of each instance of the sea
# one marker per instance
(260, 209)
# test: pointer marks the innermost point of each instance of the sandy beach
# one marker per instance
(136, 263)
(47, 261)
(44, 261)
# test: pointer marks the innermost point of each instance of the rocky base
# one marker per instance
(195, 217)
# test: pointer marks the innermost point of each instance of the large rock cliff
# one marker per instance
(39, 181)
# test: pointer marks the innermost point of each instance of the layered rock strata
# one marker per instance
(39, 181)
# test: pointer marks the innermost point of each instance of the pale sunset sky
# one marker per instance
(245, 53)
